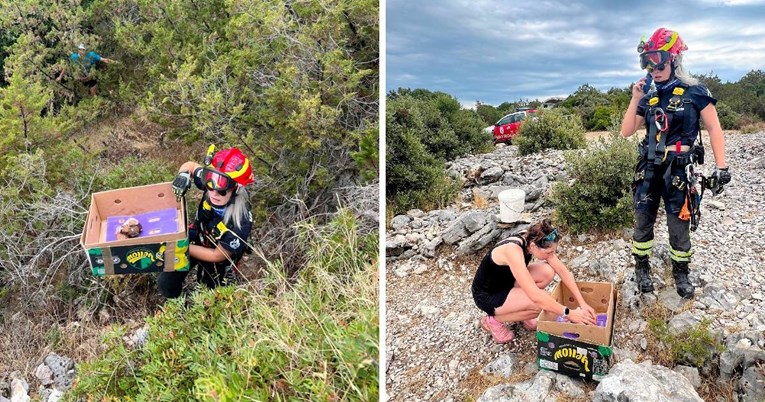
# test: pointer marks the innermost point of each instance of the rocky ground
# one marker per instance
(437, 351)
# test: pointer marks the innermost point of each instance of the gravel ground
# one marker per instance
(435, 347)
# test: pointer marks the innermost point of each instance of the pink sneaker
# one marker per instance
(531, 324)
(499, 332)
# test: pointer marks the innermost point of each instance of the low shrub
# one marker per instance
(694, 346)
(729, 119)
(552, 129)
(600, 195)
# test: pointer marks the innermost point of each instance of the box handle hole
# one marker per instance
(571, 335)
(118, 201)
(603, 301)
(161, 195)
(587, 289)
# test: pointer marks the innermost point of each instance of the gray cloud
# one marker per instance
(496, 51)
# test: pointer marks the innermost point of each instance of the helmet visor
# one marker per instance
(215, 180)
(654, 59)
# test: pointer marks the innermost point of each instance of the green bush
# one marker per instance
(489, 114)
(134, 171)
(729, 119)
(415, 178)
(601, 118)
(424, 129)
(600, 196)
(694, 346)
(312, 339)
(553, 130)
(442, 192)
(367, 157)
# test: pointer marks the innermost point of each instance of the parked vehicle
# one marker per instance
(507, 127)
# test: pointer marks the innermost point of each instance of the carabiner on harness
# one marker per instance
(661, 121)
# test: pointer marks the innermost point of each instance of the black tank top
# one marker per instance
(492, 277)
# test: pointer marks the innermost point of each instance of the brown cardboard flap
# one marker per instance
(599, 295)
(130, 201)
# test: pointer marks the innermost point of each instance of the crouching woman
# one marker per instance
(510, 288)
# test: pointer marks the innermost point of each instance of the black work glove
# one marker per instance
(181, 184)
(718, 179)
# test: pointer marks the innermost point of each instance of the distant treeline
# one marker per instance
(740, 103)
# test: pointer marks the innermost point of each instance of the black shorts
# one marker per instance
(488, 302)
(90, 83)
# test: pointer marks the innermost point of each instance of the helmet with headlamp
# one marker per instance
(662, 47)
(227, 169)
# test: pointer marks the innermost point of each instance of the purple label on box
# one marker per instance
(153, 223)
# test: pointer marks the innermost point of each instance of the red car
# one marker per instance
(507, 127)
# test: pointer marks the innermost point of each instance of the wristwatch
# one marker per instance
(566, 311)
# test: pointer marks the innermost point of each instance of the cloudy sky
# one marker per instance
(501, 50)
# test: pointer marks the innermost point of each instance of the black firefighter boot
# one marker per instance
(683, 285)
(643, 274)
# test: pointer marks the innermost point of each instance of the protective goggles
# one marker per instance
(655, 59)
(217, 181)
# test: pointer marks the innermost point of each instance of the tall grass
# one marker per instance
(313, 337)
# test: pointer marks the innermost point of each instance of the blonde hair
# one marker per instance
(681, 74)
(238, 208)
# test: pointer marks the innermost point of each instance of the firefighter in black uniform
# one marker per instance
(218, 236)
(671, 114)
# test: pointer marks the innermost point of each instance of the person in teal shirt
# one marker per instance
(83, 63)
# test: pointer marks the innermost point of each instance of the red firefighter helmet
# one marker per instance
(666, 40)
(228, 168)
(662, 47)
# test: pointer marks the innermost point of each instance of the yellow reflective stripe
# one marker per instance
(641, 252)
(642, 247)
(206, 205)
(680, 253)
(671, 42)
(241, 171)
(221, 228)
(680, 256)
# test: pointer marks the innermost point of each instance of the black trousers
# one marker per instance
(647, 205)
(211, 274)
(679, 232)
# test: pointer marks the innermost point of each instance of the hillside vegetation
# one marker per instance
(295, 86)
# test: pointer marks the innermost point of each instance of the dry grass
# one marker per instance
(478, 383)
(754, 127)
(30, 334)
(136, 135)
(655, 351)
(479, 200)
(710, 390)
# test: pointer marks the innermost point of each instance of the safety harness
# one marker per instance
(658, 122)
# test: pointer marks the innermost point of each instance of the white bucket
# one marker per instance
(511, 203)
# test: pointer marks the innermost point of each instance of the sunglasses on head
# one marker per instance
(548, 239)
